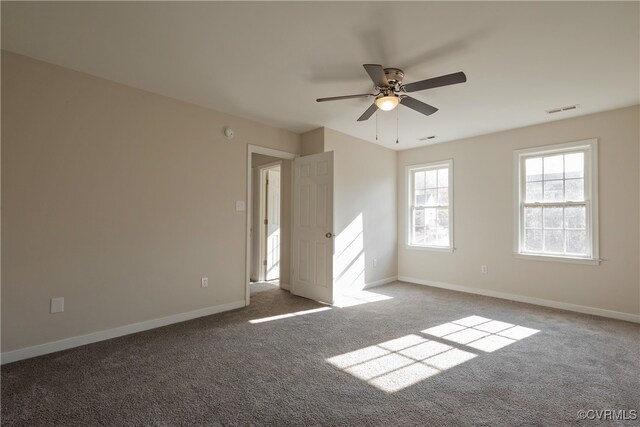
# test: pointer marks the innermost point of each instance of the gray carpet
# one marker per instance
(417, 357)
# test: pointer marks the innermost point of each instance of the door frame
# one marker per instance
(262, 230)
(268, 152)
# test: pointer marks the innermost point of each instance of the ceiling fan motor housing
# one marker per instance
(394, 76)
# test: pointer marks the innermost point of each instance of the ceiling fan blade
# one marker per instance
(449, 79)
(419, 106)
(368, 113)
(376, 72)
(338, 98)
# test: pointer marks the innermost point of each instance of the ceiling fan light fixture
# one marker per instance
(387, 103)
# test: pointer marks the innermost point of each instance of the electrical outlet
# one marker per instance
(484, 269)
(57, 305)
(240, 205)
(204, 282)
(375, 262)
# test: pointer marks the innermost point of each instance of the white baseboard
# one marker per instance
(51, 347)
(529, 300)
(380, 282)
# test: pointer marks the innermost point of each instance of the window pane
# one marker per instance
(443, 177)
(533, 169)
(533, 240)
(577, 242)
(443, 217)
(574, 190)
(575, 217)
(553, 167)
(574, 165)
(553, 241)
(534, 192)
(552, 218)
(430, 218)
(418, 218)
(553, 191)
(431, 197)
(429, 215)
(533, 218)
(443, 196)
(431, 237)
(431, 178)
(442, 237)
(419, 180)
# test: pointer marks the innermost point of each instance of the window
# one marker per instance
(556, 213)
(430, 206)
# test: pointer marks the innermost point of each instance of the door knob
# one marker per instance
(328, 235)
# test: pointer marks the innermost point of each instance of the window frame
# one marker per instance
(410, 171)
(590, 149)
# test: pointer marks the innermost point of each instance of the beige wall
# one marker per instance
(312, 142)
(365, 221)
(483, 216)
(285, 217)
(118, 200)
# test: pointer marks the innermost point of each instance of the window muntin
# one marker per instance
(430, 209)
(555, 202)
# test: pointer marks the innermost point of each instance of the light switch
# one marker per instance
(239, 205)
(57, 305)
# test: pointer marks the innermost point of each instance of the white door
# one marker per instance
(272, 263)
(312, 275)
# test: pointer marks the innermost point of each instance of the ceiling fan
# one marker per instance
(390, 91)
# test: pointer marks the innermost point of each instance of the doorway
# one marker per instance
(269, 210)
(269, 223)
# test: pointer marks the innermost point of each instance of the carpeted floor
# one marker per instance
(396, 355)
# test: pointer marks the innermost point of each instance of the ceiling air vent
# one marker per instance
(425, 138)
(559, 109)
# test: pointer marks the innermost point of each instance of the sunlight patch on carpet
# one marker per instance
(399, 363)
(357, 298)
(287, 315)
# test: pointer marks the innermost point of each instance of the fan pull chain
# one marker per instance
(397, 125)
(376, 125)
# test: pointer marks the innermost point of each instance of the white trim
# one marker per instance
(380, 282)
(268, 152)
(528, 300)
(570, 260)
(271, 152)
(407, 203)
(591, 193)
(64, 344)
(428, 248)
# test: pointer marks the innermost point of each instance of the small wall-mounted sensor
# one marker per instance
(228, 132)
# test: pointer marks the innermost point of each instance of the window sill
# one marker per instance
(536, 257)
(429, 248)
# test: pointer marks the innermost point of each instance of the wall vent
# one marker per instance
(559, 109)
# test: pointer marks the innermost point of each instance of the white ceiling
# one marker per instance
(269, 61)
